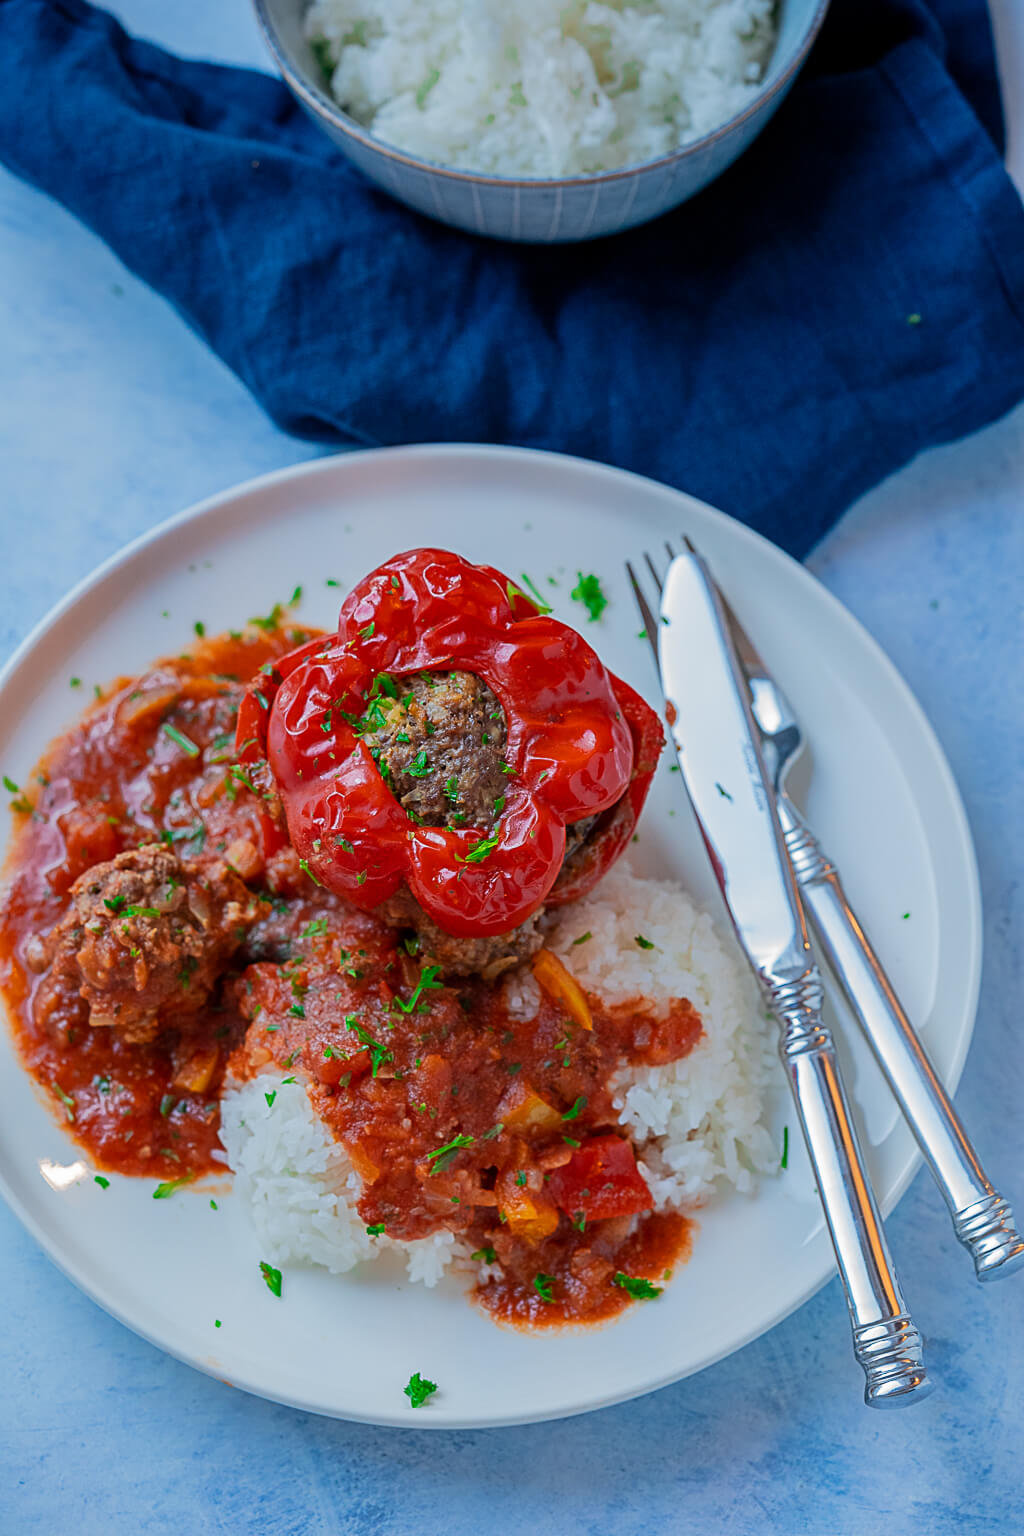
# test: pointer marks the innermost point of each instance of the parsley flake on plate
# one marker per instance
(166, 1190)
(419, 1389)
(588, 591)
(272, 1276)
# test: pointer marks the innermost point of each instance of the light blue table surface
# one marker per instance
(113, 416)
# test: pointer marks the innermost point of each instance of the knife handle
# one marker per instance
(982, 1219)
(885, 1341)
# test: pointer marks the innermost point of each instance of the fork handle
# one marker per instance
(885, 1341)
(982, 1219)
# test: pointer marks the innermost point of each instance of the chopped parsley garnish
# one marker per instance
(507, 768)
(499, 804)
(200, 628)
(270, 1097)
(419, 1389)
(451, 789)
(485, 1255)
(101, 1181)
(314, 929)
(271, 621)
(66, 1100)
(304, 866)
(443, 1157)
(542, 1285)
(22, 803)
(480, 850)
(186, 743)
(411, 945)
(581, 1103)
(542, 606)
(723, 792)
(643, 943)
(167, 1103)
(419, 767)
(141, 912)
(521, 1178)
(428, 982)
(213, 1205)
(582, 938)
(366, 633)
(298, 1010)
(636, 1288)
(588, 592)
(165, 1191)
(296, 598)
(272, 1276)
(379, 1054)
(784, 1160)
(495, 1130)
(375, 1230)
(114, 903)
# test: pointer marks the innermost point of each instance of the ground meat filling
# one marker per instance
(441, 749)
(143, 942)
(486, 957)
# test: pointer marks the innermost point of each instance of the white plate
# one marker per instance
(881, 797)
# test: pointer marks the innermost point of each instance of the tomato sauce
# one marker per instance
(118, 780)
(461, 1107)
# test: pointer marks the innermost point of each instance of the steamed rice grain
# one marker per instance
(543, 87)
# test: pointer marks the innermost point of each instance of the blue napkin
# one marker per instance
(850, 293)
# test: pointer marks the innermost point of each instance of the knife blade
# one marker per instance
(713, 730)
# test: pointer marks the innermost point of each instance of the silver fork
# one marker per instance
(982, 1219)
(886, 1342)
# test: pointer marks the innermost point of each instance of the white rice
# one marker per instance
(542, 87)
(698, 1121)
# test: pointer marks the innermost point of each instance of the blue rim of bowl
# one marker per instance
(324, 106)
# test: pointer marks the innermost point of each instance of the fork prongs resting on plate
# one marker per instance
(707, 704)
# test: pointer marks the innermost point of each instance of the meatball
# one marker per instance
(144, 940)
(441, 749)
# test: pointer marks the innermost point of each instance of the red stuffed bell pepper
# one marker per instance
(455, 758)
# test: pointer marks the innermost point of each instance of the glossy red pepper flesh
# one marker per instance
(601, 1180)
(580, 743)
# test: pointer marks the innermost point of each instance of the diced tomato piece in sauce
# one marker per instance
(601, 1179)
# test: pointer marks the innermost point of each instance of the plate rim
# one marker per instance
(324, 465)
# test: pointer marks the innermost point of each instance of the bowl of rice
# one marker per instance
(547, 120)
